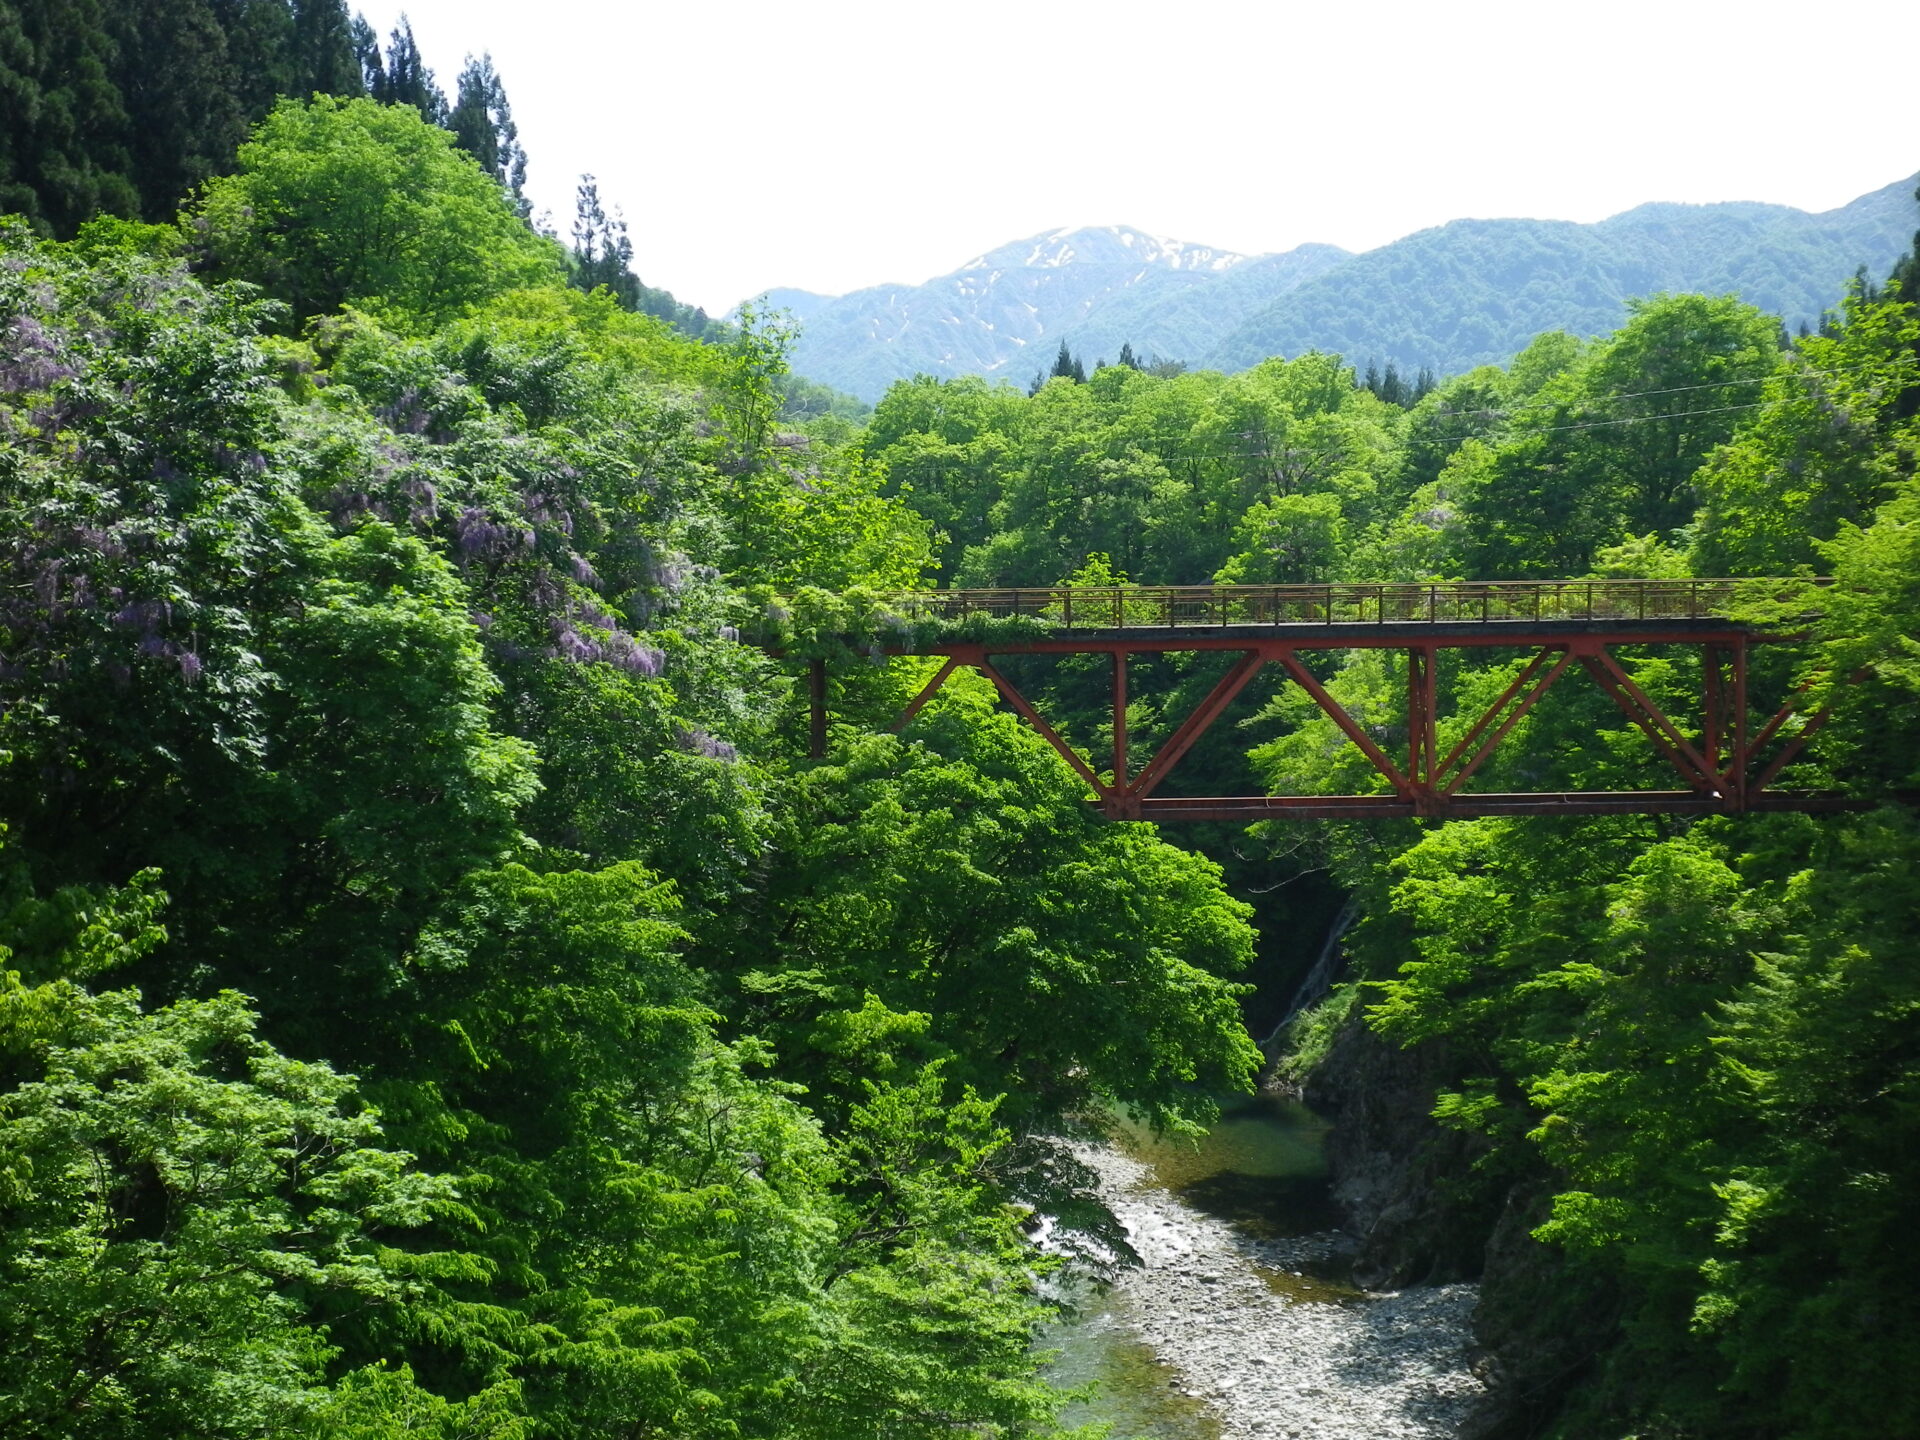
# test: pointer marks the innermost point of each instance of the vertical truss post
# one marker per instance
(1120, 720)
(1713, 702)
(817, 694)
(1739, 762)
(1421, 746)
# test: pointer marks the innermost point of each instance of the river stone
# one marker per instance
(1392, 1365)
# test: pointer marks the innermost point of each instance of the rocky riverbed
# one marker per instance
(1258, 1329)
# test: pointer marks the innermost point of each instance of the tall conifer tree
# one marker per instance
(1392, 389)
(184, 116)
(602, 249)
(482, 125)
(406, 80)
(366, 52)
(63, 124)
(324, 60)
(259, 54)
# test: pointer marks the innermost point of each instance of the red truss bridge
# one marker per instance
(1725, 759)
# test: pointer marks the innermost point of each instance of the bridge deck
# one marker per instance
(1351, 635)
(1135, 609)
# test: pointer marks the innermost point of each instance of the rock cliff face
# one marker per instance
(1429, 1207)
(1538, 1335)
(1408, 1186)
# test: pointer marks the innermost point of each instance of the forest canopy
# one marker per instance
(382, 773)
(441, 993)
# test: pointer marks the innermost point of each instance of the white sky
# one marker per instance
(841, 143)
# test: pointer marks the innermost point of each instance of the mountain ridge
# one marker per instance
(1472, 291)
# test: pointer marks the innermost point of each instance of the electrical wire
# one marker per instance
(1153, 450)
(1166, 456)
(1151, 440)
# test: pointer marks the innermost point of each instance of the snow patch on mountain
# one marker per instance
(1105, 244)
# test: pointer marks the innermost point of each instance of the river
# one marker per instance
(1243, 1321)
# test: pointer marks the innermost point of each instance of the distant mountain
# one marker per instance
(1476, 291)
(1004, 313)
(1463, 294)
(1193, 320)
(803, 305)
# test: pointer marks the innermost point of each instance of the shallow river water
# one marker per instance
(1242, 1321)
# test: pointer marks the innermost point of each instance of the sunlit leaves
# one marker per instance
(339, 201)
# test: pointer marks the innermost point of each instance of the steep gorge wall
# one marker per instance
(1432, 1205)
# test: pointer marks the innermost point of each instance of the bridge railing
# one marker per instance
(1196, 606)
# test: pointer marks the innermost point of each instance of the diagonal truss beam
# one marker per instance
(1195, 725)
(1527, 687)
(1652, 721)
(1337, 712)
(927, 692)
(1019, 702)
(1791, 751)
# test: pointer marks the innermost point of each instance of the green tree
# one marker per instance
(482, 125)
(324, 62)
(182, 1209)
(948, 447)
(175, 1236)
(1060, 960)
(352, 202)
(1610, 448)
(64, 153)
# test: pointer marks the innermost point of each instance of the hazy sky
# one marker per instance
(841, 143)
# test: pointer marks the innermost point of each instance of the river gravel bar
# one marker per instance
(1381, 1366)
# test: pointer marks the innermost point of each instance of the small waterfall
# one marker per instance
(1319, 979)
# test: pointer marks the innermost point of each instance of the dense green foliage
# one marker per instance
(356, 203)
(1294, 472)
(1685, 1050)
(127, 108)
(440, 997)
(122, 106)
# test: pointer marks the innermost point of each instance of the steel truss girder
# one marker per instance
(1719, 771)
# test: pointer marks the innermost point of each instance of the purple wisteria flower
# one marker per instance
(33, 359)
(695, 740)
(478, 536)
